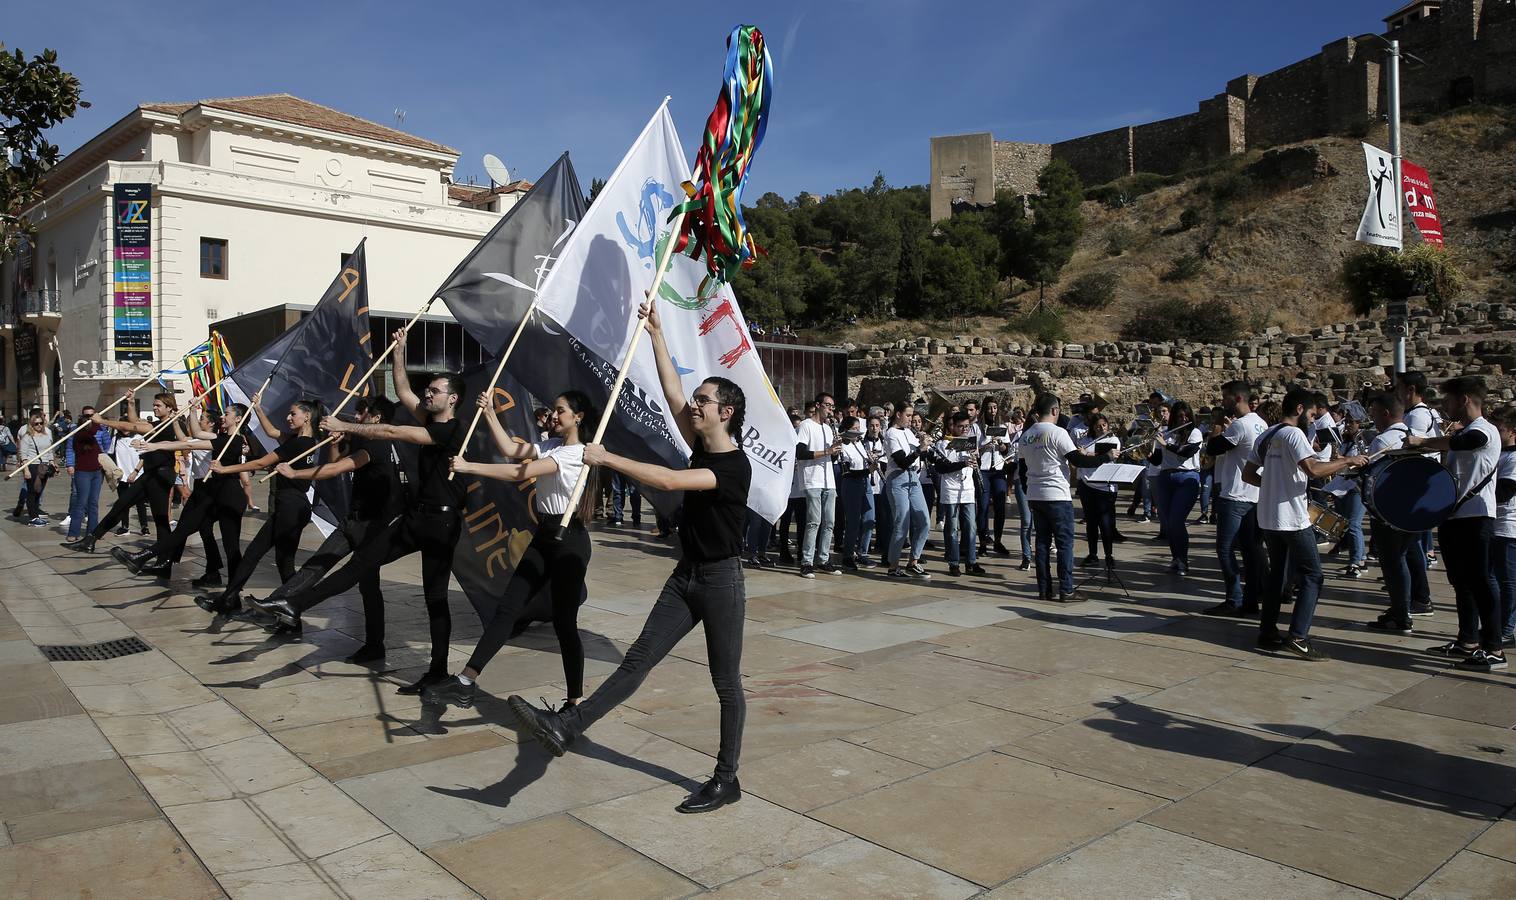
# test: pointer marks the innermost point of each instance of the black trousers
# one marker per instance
(559, 566)
(1466, 556)
(434, 534)
(200, 515)
(713, 594)
(153, 485)
(353, 534)
(1099, 518)
(282, 530)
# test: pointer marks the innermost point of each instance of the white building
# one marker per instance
(254, 202)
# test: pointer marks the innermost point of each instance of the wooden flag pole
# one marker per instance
(378, 361)
(256, 398)
(81, 426)
(179, 413)
(494, 379)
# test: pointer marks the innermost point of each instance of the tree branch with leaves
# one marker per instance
(35, 95)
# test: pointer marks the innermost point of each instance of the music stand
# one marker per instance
(1113, 473)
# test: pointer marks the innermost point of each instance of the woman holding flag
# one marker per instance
(156, 478)
(559, 565)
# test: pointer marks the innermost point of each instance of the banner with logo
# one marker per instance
(1420, 201)
(1380, 224)
(132, 271)
(594, 289)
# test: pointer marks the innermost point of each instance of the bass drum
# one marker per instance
(1410, 493)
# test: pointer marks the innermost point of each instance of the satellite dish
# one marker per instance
(498, 173)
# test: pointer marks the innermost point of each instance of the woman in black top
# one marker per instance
(706, 587)
(157, 478)
(292, 508)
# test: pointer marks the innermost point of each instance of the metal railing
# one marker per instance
(39, 303)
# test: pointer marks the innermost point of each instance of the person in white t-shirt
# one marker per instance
(1178, 456)
(552, 561)
(1044, 451)
(1503, 546)
(858, 466)
(957, 495)
(1401, 558)
(1423, 421)
(1473, 453)
(1098, 497)
(905, 448)
(816, 446)
(1236, 504)
(1281, 465)
(1322, 431)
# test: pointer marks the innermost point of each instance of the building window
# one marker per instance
(212, 258)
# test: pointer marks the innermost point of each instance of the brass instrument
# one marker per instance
(1141, 439)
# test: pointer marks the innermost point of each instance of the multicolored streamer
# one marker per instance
(713, 225)
(206, 365)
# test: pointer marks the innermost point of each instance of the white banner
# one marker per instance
(1381, 212)
(602, 274)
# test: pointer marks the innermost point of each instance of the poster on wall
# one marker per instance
(28, 372)
(1422, 203)
(132, 278)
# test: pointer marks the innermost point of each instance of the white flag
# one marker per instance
(599, 279)
(1381, 213)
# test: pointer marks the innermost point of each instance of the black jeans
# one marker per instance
(1396, 549)
(434, 534)
(199, 515)
(353, 534)
(1099, 518)
(287, 520)
(559, 566)
(153, 485)
(711, 593)
(1466, 556)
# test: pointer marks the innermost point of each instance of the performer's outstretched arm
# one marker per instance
(515, 471)
(668, 374)
(403, 392)
(509, 447)
(411, 434)
(659, 477)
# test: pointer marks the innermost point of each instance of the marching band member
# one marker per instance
(993, 478)
(1281, 464)
(1503, 548)
(1098, 497)
(817, 446)
(1473, 456)
(908, 505)
(1178, 455)
(1044, 450)
(1233, 432)
(955, 481)
(1423, 421)
(1014, 430)
(1400, 557)
(858, 468)
(1350, 503)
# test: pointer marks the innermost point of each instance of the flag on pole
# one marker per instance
(595, 285)
(321, 358)
(1380, 224)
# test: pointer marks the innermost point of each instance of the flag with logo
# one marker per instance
(321, 358)
(600, 276)
(1422, 203)
(1380, 223)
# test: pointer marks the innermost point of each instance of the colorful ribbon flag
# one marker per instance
(713, 225)
(206, 364)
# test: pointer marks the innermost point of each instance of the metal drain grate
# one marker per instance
(102, 650)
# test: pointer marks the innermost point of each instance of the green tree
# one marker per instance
(596, 186)
(1056, 225)
(35, 95)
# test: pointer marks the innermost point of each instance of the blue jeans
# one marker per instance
(820, 519)
(1237, 530)
(1207, 482)
(1350, 507)
(884, 518)
(1177, 491)
(1400, 557)
(1149, 495)
(758, 532)
(956, 515)
(910, 514)
(622, 490)
(85, 501)
(1292, 558)
(1023, 519)
(1055, 520)
(1503, 561)
(857, 517)
(992, 506)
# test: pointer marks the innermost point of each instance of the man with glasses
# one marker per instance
(432, 520)
(815, 449)
(707, 585)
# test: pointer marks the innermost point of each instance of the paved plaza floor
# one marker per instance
(949, 738)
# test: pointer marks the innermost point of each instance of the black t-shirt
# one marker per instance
(236, 455)
(432, 487)
(713, 520)
(297, 452)
(377, 490)
(159, 459)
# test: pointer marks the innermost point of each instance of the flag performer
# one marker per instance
(707, 584)
(156, 480)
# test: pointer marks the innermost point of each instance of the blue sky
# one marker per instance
(861, 86)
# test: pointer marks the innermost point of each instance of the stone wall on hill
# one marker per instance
(1469, 338)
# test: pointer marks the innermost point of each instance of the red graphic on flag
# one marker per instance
(1420, 202)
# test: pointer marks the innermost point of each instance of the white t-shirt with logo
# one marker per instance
(1098, 444)
(1470, 468)
(1242, 433)
(817, 473)
(554, 489)
(1281, 500)
(900, 440)
(1505, 513)
(956, 486)
(1181, 436)
(1042, 447)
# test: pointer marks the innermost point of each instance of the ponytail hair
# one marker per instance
(312, 408)
(580, 403)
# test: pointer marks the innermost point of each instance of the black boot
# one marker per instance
(156, 569)
(279, 609)
(712, 795)
(221, 604)
(367, 653)
(86, 544)
(545, 725)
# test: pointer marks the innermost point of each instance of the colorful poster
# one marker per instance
(1419, 199)
(1381, 212)
(132, 274)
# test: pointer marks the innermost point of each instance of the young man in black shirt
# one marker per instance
(433, 520)
(378, 502)
(706, 586)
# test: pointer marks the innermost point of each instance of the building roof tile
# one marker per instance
(298, 111)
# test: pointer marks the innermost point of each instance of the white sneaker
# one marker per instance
(64, 523)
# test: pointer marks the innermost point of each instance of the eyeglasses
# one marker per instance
(431, 391)
(702, 400)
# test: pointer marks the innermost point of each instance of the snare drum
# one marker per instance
(1330, 526)
(1411, 493)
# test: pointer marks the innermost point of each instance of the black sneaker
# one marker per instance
(897, 573)
(421, 683)
(829, 568)
(1271, 642)
(865, 563)
(785, 559)
(1482, 661)
(807, 572)
(977, 569)
(1388, 625)
(1025, 564)
(1072, 597)
(1092, 560)
(1451, 650)
(1223, 609)
(545, 725)
(366, 654)
(915, 570)
(1303, 649)
(850, 564)
(450, 690)
(954, 571)
(1422, 609)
